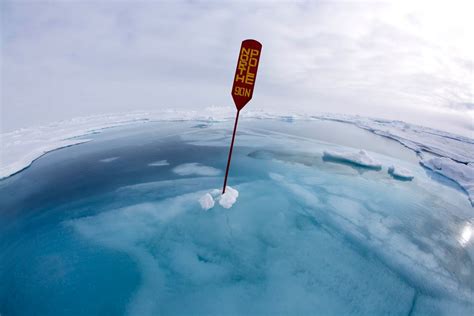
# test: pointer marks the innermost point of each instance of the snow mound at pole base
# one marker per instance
(226, 200)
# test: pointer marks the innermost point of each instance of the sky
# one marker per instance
(404, 60)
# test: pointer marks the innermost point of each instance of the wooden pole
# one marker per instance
(230, 151)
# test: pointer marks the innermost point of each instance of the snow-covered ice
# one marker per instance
(400, 172)
(360, 158)
(418, 138)
(461, 173)
(194, 168)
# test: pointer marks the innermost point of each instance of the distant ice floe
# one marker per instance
(400, 172)
(159, 163)
(360, 158)
(194, 168)
(458, 172)
(456, 152)
(225, 200)
(418, 138)
(110, 159)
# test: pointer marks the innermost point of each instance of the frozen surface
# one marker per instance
(305, 235)
(400, 172)
(460, 173)
(418, 138)
(426, 142)
(361, 158)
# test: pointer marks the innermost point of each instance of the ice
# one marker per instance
(194, 168)
(400, 172)
(229, 197)
(304, 236)
(360, 158)
(206, 201)
(225, 200)
(159, 163)
(454, 154)
(418, 138)
(463, 174)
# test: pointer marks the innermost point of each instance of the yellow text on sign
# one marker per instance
(248, 58)
(242, 91)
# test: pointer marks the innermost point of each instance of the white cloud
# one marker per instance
(403, 60)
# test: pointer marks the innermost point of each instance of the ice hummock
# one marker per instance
(360, 158)
(400, 172)
(226, 200)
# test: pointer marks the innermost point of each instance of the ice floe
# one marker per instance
(360, 158)
(400, 172)
(225, 200)
(418, 138)
(463, 174)
(454, 154)
(194, 168)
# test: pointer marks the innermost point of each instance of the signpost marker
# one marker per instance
(244, 82)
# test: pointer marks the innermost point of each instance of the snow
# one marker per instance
(360, 158)
(226, 200)
(159, 163)
(229, 197)
(458, 172)
(206, 201)
(194, 168)
(400, 172)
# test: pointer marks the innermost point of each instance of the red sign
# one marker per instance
(246, 72)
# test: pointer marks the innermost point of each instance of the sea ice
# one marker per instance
(400, 172)
(463, 174)
(360, 158)
(194, 168)
(417, 138)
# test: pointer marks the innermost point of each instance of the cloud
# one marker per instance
(396, 60)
